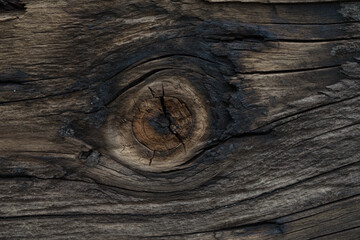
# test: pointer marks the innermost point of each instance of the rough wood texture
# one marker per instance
(179, 120)
(276, 1)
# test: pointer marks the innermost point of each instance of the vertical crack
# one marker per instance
(150, 161)
(152, 91)
(168, 117)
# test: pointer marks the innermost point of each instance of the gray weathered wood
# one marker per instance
(272, 91)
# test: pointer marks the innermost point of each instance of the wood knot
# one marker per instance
(162, 123)
(159, 126)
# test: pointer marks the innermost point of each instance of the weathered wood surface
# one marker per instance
(258, 137)
(277, 1)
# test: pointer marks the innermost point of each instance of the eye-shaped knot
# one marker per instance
(161, 124)
(158, 126)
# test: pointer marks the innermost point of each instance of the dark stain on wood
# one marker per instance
(9, 5)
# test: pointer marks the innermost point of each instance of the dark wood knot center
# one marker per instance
(162, 123)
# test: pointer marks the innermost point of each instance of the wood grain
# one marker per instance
(179, 120)
(276, 1)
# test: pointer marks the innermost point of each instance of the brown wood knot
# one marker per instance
(162, 123)
(159, 125)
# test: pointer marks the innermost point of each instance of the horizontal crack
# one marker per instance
(329, 234)
(273, 125)
(134, 83)
(290, 70)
